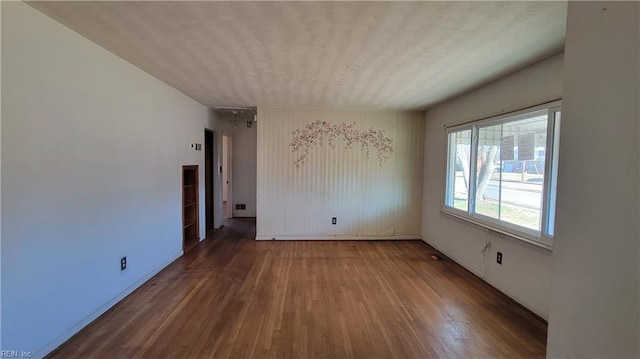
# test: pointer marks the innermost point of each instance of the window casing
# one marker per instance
(502, 173)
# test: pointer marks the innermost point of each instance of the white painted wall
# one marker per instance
(92, 149)
(595, 293)
(219, 126)
(244, 155)
(225, 174)
(1, 347)
(370, 200)
(525, 274)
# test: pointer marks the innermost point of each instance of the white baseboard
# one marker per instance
(338, 238)
(462, 263)
(101, 310)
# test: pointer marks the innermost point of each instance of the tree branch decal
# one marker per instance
(317, 132)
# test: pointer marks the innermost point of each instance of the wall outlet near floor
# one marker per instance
(241, 206)
(334, 220)
(499, 258)
(123, 263)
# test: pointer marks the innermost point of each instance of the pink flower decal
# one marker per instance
(315, 133)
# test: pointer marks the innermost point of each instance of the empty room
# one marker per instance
(258, 179)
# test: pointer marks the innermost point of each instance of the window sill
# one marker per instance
(495, 229)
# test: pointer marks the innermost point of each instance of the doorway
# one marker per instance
(227, 176)
(208, 178)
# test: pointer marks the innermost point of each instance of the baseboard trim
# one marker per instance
(61, 339)
(339, 238)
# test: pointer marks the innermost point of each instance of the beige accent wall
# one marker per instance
(369, 198)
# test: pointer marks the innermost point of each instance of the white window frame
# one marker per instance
(542, 238)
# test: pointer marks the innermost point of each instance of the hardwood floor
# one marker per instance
(233, 297)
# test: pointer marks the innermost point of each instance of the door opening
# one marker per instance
(208, 177)
(227, 177)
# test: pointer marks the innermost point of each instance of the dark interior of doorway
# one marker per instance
(208, 176)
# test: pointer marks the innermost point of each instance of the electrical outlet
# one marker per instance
(499, 258)
(123, 263)
(334, 220)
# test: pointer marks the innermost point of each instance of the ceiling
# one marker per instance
(378, 55)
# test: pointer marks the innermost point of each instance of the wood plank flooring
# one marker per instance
(233, 297)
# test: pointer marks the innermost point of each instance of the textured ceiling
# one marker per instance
(391, 55)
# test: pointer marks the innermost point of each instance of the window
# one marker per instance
(459, 150)
(501, 173)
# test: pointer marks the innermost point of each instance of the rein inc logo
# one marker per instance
(14, 354)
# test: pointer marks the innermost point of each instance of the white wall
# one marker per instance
(369, 199)
(1, 347)
(92, 150)
(244, 169)
(595, 293)
(526, 269)
(225, 164)
(220, 127)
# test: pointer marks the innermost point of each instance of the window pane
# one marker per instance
(458, 169)
(522, 179)
(487, 175)
(553, 181)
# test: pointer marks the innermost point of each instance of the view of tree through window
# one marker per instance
(460, 147)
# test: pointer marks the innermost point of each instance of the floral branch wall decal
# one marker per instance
(317, 132)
